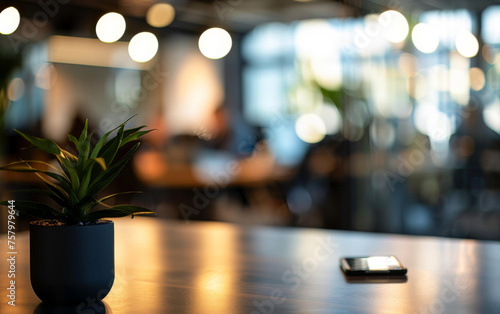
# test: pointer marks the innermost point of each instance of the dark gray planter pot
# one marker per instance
(71, 265)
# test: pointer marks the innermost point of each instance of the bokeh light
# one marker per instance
(408, 64)
(143, 47)
(439, 76)
(459, 79)
(160, 15)
(491, 116)
(15, 90)
(434, 123)
(9, 20)
(310, 128)
(417, 86)
(425, 38)
(331, 118)
(215, 43)
(466, 44)
(310, 43)
(489, 54)
(46, 76)
(394, 26)
(477, 79)
(110, 27)
(439, 126)
(326, 73)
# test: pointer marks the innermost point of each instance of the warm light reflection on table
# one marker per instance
(207, 267)
(215, 278)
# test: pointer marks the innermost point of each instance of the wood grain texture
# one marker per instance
(208, 267)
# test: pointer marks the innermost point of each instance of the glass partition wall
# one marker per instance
(401, 113)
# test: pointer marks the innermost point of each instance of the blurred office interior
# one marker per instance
(357, 114)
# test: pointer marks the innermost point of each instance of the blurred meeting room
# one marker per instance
(365, 115)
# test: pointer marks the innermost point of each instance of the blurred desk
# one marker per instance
(154, 170)
(208, 267)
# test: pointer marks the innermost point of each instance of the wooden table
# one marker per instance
(208, 267)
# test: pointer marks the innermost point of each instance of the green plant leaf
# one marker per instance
(101, 201)
(63, 202)
(26, 162)
(59, 191)
(87, 208)
(64, 187)
(83, 135)
(87, 203)
(83, 153)
(44, 144)
(36, 209)
(84, 184)
(66, 160)
(106, 177)
(73, 140)
(130, 135)
(119, 211)
(87, 174)
(111, 148)
(91, 161)
(70, 170)
(98, 146)
(135, 136)
(69, 156)
(117, 194)
(102, 141)
(133, 130)
(61, 179)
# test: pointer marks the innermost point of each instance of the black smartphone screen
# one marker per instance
(372, 265)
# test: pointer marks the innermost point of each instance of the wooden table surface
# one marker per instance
(208, 267)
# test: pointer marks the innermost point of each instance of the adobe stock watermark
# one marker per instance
(93, 304)
(137, 94)
(219, 180)
(29, 28)
(151, 80)
(407, 166)
(222, 7)
(372, 29)
(295, 275)
(202, 197)
(277, 122)
(12, 252)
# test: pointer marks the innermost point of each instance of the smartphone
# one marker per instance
(372, 265)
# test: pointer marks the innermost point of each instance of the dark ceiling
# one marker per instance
(78, 17)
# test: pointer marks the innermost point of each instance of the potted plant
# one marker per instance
(72, 245)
